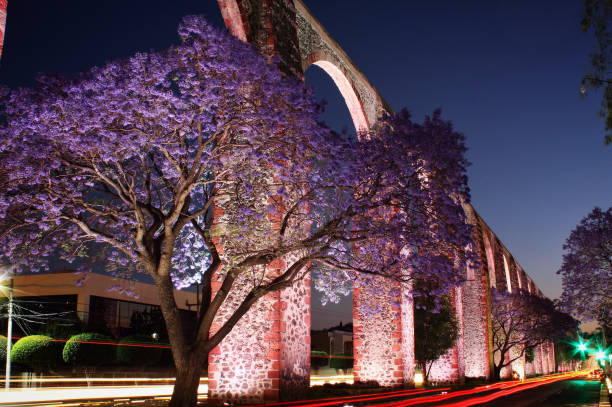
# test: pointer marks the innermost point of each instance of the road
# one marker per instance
(568, 393)
(570, 389)
(549, 390)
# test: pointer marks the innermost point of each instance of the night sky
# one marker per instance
(506, 73)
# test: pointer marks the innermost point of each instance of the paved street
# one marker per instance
(568, 393)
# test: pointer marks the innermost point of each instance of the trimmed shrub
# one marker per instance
(318, 359)
(78, 352)
(130, 353)
(341, 361)
(2, 350)
(37, 352)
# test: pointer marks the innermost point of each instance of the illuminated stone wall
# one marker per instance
(537, 360)
(407, 321)
(377, 335)
(518, 365)
(475, 304)
(267, 354)
(449, 368)
(3, 6)
(529, 368)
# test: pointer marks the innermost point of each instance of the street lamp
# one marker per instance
(8, 292)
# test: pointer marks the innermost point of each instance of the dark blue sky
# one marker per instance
(506, 73)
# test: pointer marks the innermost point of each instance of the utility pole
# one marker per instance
(9, 336)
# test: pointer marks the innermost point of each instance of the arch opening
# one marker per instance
(346, 89)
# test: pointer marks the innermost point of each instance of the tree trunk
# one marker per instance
(497, 373)
(188, 372)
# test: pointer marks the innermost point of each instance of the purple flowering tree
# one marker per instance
(203, 161)
(521, 321)
(586, 270)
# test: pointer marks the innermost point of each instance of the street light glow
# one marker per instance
(582, 347)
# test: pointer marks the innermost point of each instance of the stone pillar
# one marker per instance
(529, 368)
(295, 341)
(449, 368)
(407, 317)
(3, 6)
(377, 332)
(518, 365)
(537, 360)
(551, 357)
(267, 354)
(475, 326)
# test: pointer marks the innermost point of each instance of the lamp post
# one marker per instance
(9, 336)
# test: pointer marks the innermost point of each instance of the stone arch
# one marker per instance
(317, 47)
(490, 260)
(3, 5)
(507, 272)
(232, 17)
(354, 104)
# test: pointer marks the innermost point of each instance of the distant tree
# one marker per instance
(598, 18)
(63, 326)
(435, 329)
(521, 321)
(38, 353)
(160, 162)
(586, 270)
(566, 350)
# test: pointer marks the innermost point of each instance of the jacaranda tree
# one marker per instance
(586, 270)
(204, 163)
(522, 321)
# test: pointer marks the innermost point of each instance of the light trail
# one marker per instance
(49, 395)
(354, 399)
(508, 392)
(75, 380)
(503, 389)
(135, 344)
(320, 380)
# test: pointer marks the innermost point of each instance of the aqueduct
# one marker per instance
(383, 345)
(267, 355)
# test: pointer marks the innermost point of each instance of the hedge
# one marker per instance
(78, 352)
(130, 353)
(37, 352)
(318, 358)
(341, 361)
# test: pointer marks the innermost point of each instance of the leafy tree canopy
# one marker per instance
(586, 270)
(204, 163)
(521, 321)
(598, 18)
